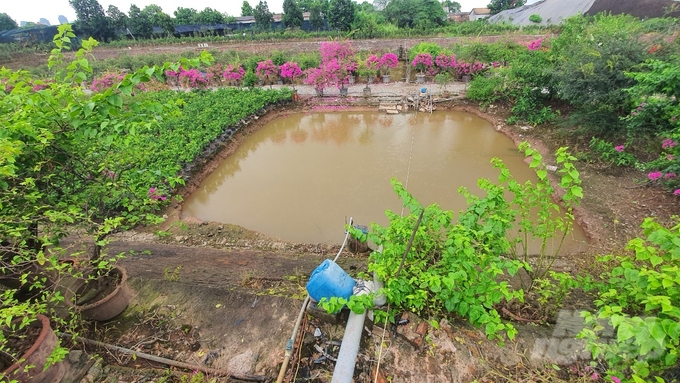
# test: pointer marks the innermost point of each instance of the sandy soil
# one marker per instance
(237, 292)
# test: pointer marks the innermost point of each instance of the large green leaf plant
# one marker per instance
(57, 175)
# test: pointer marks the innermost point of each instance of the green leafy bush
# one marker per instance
(446, 271)
(614, 155)
(279, 57)
(462, 266)
(526, 84)
(639, 297)
(488, 89)
(535, 18)
(307, 60)
(590, 73)
(432, 48)
(250, 79)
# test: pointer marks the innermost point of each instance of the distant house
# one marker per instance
(459, 17)
(479, 13)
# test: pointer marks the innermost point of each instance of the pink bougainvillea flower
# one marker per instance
(676, 192)
(389, 60)
(668, 143)
(595, 376)
(422, 61)
(615, 379)
(670, 157)
(619, 148)
(654, 175)
(372, 62)
(535, 45)
(234, 73)
(669, 175)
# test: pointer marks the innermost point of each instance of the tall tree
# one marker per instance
(316, 16)
(292, 14)
(421, 14)
(209, 16)
(118, 19)
(366, 7)
(365, 24)
(246, 9)
(185, 16)
(263, 17)
(91, 20)
(500, 5)
(140, 23)
(341, 14)
(451, 6)
(402, 13)
(159, 18)
(7, 23)
(430, 14)
(305, 5)
(380, 5)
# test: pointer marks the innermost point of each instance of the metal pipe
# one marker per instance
(344, 367)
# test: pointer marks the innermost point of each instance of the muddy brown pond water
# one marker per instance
(300, 177)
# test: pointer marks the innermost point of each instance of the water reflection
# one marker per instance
(300, 176)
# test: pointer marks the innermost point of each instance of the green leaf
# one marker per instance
(625, 332)
(88, 108)
(115, 100)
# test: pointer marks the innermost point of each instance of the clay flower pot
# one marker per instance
(11, 277)
(37, 356)
(101, 308)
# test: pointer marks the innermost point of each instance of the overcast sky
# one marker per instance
(33, 10)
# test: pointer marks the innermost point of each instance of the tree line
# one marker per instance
(344, 15)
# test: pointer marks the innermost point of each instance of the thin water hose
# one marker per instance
(344, 241)
(289, 344)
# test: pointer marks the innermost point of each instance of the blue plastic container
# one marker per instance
(423, 90)
(329, 280)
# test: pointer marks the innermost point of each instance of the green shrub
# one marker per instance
(590, 70)
(526, 84)
(488, 89)
(614, 155)
(424, 47)
(457, 266)
(307, 60)
(250, 79)
(250, 64)
(279, 57)
(639, 297)
(535, 18)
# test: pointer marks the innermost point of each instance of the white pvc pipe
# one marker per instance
(344, 367)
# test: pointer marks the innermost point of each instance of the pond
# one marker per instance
(299, 178)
